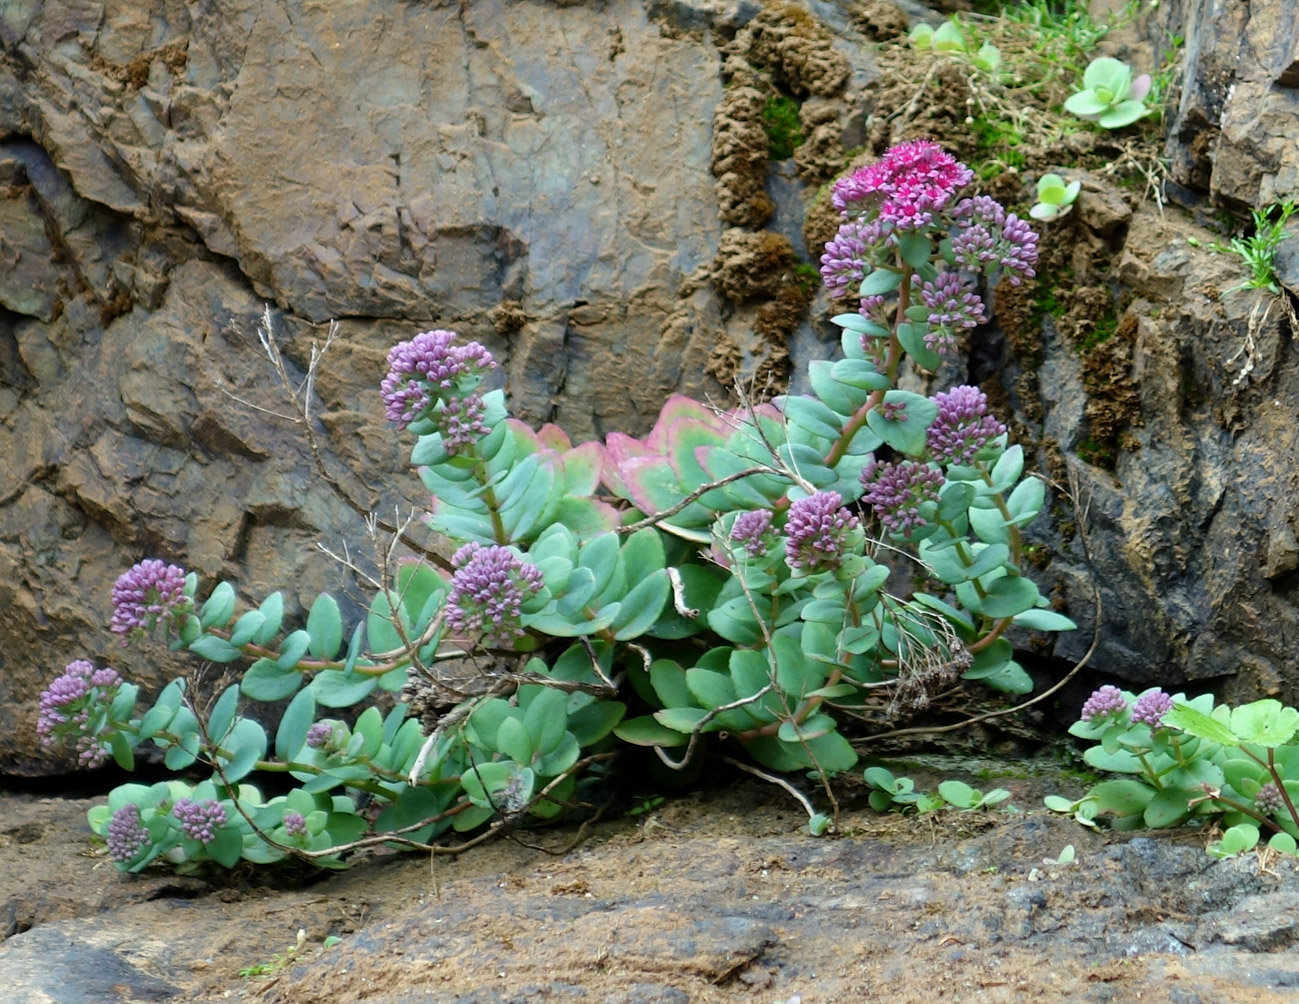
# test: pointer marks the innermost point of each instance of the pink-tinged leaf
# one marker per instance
(676, 407)
(619, 451)
(581, 466)
(686, 437)
(652, 484)
(555, 437)
(586, 517)
(1140, 88)
(527, 441)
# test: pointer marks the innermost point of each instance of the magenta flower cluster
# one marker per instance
(295, 823)
(1150, 708)
(843, 265)
(952, 308)
(1106, 701)
(818, 531)
(319, 735)
(127, 835)
(461, 423)
(963, 426)
(429, 366)
(488, 589)
(989, 236)
(68, 705)
(146, 594)
(752, 530)
(894, 411)
(1268, 800)
(904, 188)
(897, 490)
(200, 820)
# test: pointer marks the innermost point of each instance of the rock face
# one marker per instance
(581, 187)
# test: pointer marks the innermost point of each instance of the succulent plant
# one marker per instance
(1054, 198)
(1110, 97)
(949, 37)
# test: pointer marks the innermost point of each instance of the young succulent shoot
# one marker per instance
(1110, 96)
(949, 37)
(1054, 198)
(988, 58)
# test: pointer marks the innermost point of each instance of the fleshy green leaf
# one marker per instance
(294, 648)
(646, 731)
(908, 434)
(246, 744)
(219, 608)
(1265, 723)
(297, 719)
(882, 280)
(272, 610)
(1122, 798)
(1010, 595)
(215, 649)
(336, 689)
(1044, 620)
(265, 681)
(1199, 724)
(325, 627)
(223, 713)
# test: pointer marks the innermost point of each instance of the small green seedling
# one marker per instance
(277, 962)
(645, 806)
(1067, 857)
(961, 795)
(1259, 251)
(1054, 198)
(1083, 811)
(900, 794)
(949, 37)
(1110, 96)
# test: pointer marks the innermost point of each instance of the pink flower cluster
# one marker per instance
(951, 305)
(989, 236)
(127, 836)
(200, 820)
(904, 188)
(146, 593)
(1106, 701)
(817, 533)
(963, 426)
(752, 529)
(488, 589)
(896, 491)
(429, 366)
(68, 705)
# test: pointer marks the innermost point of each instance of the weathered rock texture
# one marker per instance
(704, 902)
(1234, 128)
(557, 180)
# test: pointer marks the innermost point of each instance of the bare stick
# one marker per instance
(802, 799)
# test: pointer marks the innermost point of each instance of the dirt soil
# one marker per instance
(710, 897)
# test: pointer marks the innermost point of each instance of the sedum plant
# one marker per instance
(1190, 760)
(1055, 198)
(950, 37)
(722, 582)
(1110, 96)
